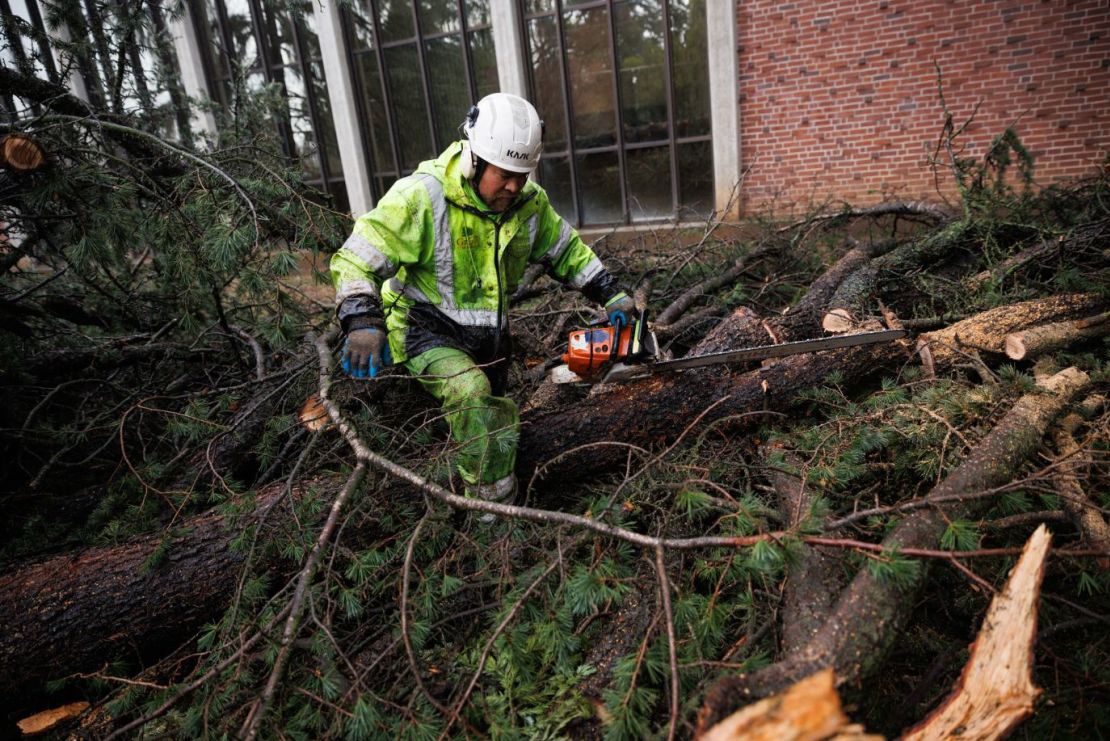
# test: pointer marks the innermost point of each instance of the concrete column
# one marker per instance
(190, 60)
(344, 111)
(508, 44)
(724, 103)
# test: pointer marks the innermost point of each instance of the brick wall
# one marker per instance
(838, 99)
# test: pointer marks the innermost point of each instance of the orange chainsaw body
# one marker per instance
(590, 350)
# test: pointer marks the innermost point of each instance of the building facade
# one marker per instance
(656, 111)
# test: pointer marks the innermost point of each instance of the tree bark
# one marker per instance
(802, 320)
(987, 331)
(1041, 340)
(652, 412)
(76, 612)
(814, 580)
(855, 636)
(850, 302)
(1086, 517)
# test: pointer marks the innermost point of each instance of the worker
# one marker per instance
(424, 280)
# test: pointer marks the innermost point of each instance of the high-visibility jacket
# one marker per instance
(441, 265)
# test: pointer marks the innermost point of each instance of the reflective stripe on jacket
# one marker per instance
(430, 240)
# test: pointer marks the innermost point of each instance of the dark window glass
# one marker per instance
(438, 16)
(339, 197)
(477, 13)
(649, 183)
(385, 182)
(447, 85)
(369, 86)
(691, 67)
(395, 17)
(483, 62)
(642, 62)
(599, 188)
(361, 27)
(279, 32)
(326, 136)
(590, 67)
(242, 34)
(547, 79)
(411, 114)
(555, 174)
(539, 6)
(695, 179)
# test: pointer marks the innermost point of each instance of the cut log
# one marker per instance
(1047, 338)
(20, 153)
(987, 331)
(995, 692)
(854, 638)
(807, 711)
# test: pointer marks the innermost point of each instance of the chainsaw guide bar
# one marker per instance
(647, 364)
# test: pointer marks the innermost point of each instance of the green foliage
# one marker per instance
(960, 535)
(890, 567)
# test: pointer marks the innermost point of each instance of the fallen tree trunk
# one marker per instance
(76, 612)
(646, 413)
(813, 580)
(849, 304)
(995, 692)
(856, 634)
(987, 331)
(802, 320)
(1086, 517)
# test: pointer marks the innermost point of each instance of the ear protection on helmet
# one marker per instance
(469, 164)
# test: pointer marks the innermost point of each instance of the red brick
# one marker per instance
(839, 98)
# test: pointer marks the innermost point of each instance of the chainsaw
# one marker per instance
(613, 355)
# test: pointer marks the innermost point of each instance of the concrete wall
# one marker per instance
(838, 98)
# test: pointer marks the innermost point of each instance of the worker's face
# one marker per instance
(499, 188)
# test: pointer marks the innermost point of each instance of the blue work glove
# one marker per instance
(365, 353)
(621, 308)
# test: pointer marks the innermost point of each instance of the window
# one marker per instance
(623, 88)
(249, 44)
(438, 60)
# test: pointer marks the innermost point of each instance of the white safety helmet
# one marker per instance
(504, 130)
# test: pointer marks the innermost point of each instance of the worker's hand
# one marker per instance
(621, 308)
(365, 353)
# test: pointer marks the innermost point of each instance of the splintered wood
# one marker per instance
(49, 719)
(807, 711)
(996, 692)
